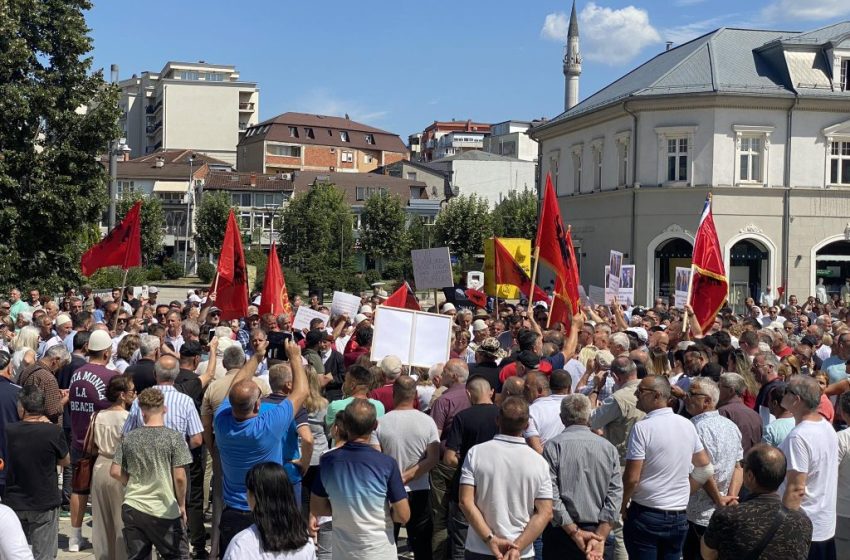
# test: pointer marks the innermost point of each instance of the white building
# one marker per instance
(490, 176)
(760, 119)
(457, 142)
(511, 139)
(200, 106)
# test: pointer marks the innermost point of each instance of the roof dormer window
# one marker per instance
(845, 74)
(343, 135)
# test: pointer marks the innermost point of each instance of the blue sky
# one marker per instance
(401, 65)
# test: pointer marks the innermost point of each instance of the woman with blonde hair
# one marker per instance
(734, 360)
(658, 363)
(789, 366)
(26, 346)
(317, 408)
(126, 348)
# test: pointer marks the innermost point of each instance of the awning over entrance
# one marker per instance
(834, 258)
(171, 186)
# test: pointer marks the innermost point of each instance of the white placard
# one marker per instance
(626, 294)
(344, 303)
(305, 315)
(432, 268)
(597, 295)
(683, 279)
(418, 339)
(615, 263)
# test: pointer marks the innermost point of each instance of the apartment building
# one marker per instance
(196, 105)
(463, 136)
(304, 142)
(511, 139)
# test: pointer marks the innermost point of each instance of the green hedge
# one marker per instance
(172, 270)
(206, 272)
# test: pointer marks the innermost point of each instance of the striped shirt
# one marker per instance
(586, 480)
(181, 414)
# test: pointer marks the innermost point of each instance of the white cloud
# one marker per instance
(321, 101)
(610, 36)
(791, 10)
(684, 33)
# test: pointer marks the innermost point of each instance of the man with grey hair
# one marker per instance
(142, 371)
(811, 450)
(722, 439)
(765, 368)
(587, 484)
(181, 415)
(42, 374)
(732, 386)
(618, 344)
(618, 413)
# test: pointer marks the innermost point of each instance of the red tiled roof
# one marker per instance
(231, 181)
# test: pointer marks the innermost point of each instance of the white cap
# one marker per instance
(153, 290)
(479, 325)
(194, 298)
(359, 318)
(62, 318)
(99, 340)
(365, 309)
(640, 332)
(448, 306)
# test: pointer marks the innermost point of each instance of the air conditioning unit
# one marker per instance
(284, 176)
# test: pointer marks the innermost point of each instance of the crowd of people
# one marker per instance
(628, 433)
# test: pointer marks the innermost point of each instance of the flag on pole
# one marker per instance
(477, 297)
(555, 244)
(274, 299)
(508, 271)
(121, 247)
(232, 288)
(403, 298)
(709, 285)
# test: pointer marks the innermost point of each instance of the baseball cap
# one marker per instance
(213, 309)
(153, 290)
(481, 314)
(62, 318)
(390, 364)
(491, 347)
(479, 325)
(605, 358)
(99, 340)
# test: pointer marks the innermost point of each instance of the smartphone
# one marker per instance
(277, 349)
(211, 334)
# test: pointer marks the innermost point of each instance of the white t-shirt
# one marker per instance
(666, 443)
(405, 436)
(13, 545)
(812, 448)
(545, 418)
(843, 505)
(247, 545)
(508, 476)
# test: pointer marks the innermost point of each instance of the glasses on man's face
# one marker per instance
(692, 395)
(642, 390)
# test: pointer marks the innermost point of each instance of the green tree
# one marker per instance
(463, 225)
(211, 221)
(153, 221)
(420, 234)
(52, 185)
(316, 237)
(516, 215)
(383, 235)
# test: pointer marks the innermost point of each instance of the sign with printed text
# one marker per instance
(613, 270)
(345, 304)
(305, 315)
(626, 294)
(683, 281)
(432, 268)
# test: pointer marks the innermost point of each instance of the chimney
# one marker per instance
(160, 161)
(253, 179)
(669, 45)
(125, 156)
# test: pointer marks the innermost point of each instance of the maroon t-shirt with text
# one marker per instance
(87, 394)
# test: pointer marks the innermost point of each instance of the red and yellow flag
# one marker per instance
(709, 285)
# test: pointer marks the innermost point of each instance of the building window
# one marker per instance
(845, 74)
(370, 138)
(126, 187)
(190, 75)
(411, 176)
(368, 158)
(839, 162)
(215, 77)
(554, 158)
(677, 159)
(241, 199)
(343, 135)
(309, 132)
(293, 132)
(596, 149)
(749, 160)
(577, 170)
(362, 193)
(347, 157)
(286, 151)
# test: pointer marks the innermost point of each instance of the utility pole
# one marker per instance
(113, 164)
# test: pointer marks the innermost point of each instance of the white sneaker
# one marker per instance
(75, 545)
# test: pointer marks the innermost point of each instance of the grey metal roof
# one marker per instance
(475, 155)
(727, 60)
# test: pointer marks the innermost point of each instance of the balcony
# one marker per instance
(246, 106)
(152, 128)
(243, 127)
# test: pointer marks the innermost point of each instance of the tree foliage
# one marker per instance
(463, 225)
(58, 117)
(153, 221)
(516, 215)
(383, 235)
(211, 221)
(316, 237)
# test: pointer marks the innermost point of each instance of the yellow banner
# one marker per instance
(521, 250)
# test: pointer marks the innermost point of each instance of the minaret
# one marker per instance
(572, 63)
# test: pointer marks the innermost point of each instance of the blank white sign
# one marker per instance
(416, 338)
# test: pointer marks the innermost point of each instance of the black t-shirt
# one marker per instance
(189, 383)
(471, 426)
(33, 449)
(761, 399)
(143, 374)
(489, 371)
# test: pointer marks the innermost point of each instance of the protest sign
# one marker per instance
(305, 315)
(418, 339)
(683, 280)
(520, 249)
(615, 263)
(432, 268)
(345, 304)
(626, 294)
(596, 295)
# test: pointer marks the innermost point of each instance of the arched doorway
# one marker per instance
(674, 252)
(749, 272)
(832, 263)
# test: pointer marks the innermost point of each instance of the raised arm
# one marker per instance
(299, 377)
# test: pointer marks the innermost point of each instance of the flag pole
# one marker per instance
(215, 283)
(121, 300)
(688, 302)
(534, 273)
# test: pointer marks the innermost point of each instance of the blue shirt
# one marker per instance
(835, 367)
(291, 441)
(360, 482)
(243, 444)
(8, 415)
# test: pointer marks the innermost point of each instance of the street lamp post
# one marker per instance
(189, 196)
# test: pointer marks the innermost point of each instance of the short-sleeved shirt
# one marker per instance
(33, 449)
(812, 448)
(8, 413)
(470, 427)
(544, 418)
(242, 444)
(385, 395)
(87, 395)
(148, 455)
(443, 410)
(218, 390)
(360, 484)
(334, 408)
(722, 439)
(405, 436)
(735, 531)
(843, 504)
(508, 476)
(666, 443)
(291, 443)
(747, 420)
(778, 430)
(181, 415)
